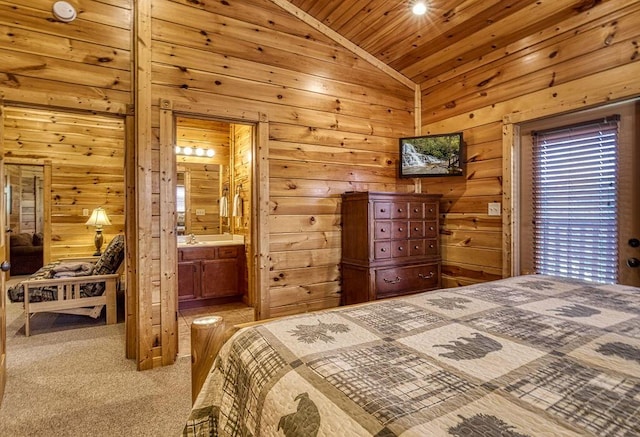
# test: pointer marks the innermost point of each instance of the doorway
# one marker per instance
(27, 214)
(626, 197)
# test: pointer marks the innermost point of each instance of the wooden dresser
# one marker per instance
(390, 245)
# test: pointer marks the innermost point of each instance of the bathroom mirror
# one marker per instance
(198, 190)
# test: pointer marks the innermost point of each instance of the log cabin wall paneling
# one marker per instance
(561, 67)
(334, 121)
(82, 65)
(87, 158)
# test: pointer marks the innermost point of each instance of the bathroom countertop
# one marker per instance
(212, 240)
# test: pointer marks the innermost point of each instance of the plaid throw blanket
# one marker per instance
(524, 356)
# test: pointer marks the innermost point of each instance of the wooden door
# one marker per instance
(3, 310)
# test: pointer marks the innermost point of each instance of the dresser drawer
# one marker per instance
(431, 247)
(400, 280)
(430, 210)
(416, 229)
(399, 210)
(399, 229)
(430, 229)
(416, 210)
(382, 230)
(381, 250)
(381, 210)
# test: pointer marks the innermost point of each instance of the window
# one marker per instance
(574, 196)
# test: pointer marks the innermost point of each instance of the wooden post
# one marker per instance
(207, 337)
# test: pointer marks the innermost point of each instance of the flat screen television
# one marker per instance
(432, 156)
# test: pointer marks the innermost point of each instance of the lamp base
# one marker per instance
(98, 240)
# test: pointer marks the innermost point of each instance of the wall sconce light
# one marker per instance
(99, 218)
(198, 151)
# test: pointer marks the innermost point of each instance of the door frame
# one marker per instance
(259, 248)
(511, 146)
(46, 201)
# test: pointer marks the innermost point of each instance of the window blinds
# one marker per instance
(575, 201)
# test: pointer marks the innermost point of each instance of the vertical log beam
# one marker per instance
(131, 229)
(142, 98)
(207, 337)
(46, 206)
(260, 221)
(168, 249)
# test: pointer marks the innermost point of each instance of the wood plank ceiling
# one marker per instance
(451, 34)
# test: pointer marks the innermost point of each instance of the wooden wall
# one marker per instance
(590, 58)
(84, 65)
(87, 158)
(333, 122)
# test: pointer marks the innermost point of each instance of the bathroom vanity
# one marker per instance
(211, 270)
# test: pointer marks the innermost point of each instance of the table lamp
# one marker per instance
(98, 219)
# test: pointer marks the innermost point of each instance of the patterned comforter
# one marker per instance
(523, 356)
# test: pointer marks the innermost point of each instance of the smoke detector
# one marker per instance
(64, 11)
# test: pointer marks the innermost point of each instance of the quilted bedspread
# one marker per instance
(523, 356)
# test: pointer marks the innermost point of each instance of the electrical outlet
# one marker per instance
(85, 212)
(199, 211)
(494, 208)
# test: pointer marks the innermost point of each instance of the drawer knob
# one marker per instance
(399, 209)
(416, 247)
(416, 229)
(421, 276)
(415, 210)
(400, 249)
(431, 246)
(383, 250)
(392, 281)
(430, 209)
(383, 210)
(382, 230)
(431, 228)
(400, 229)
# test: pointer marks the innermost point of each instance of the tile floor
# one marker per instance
(232, 313)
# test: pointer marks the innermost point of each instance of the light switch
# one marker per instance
(199, 211)
(494, 208)
(85, 212)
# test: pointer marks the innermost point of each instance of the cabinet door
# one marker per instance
(188, 280)
(220, 277)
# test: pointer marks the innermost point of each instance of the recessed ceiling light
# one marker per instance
(419, 8)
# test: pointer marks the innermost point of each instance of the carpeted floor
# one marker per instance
(70, 377)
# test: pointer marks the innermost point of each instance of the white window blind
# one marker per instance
(575, 201)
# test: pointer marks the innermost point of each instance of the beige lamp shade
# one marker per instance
(98, 218)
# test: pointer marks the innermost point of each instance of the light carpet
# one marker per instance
(71, 378)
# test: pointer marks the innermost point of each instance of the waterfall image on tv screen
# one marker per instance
(431, 155)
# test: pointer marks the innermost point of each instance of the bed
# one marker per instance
(524, 356)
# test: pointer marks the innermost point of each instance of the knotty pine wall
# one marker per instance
(588, 59)
(84, 65)
(86, 152)
(333, 122)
